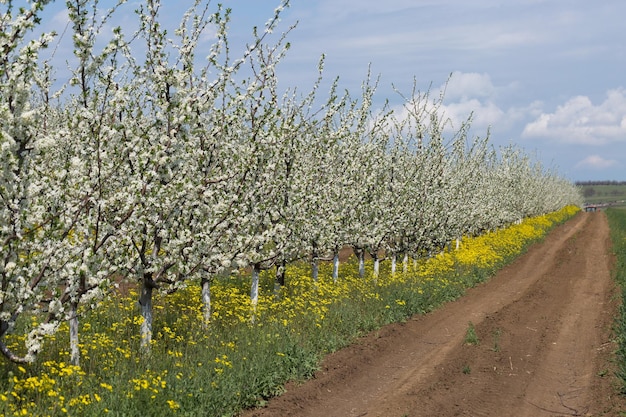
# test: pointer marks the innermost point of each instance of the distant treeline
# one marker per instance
(591, 183)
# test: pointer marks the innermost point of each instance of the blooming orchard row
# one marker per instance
(158, 165)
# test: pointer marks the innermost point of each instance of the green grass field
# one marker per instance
(594, 193)
(617, 223)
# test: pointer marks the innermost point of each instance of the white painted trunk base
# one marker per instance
(336, 267)
(254, 291)
(254, 288)
(74, 349)
(362, 265)
(206, 300)
(315, 269)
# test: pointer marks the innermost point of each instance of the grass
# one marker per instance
(603, 193)
(496, 340)
(617, 223)
(233, 362)
(471, 338)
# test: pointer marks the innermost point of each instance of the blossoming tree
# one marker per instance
(155, 164)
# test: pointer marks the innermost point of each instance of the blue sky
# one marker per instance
(546, 75)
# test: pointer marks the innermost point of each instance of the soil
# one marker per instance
(545, 346)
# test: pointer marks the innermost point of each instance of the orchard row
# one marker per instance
(151, 163)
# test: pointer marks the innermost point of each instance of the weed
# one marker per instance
(467, 370)
(496, 340)
(471, 338)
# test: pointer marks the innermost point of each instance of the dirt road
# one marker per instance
(544, 330)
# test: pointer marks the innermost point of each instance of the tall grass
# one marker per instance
(244, 355)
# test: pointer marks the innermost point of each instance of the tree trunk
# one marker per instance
(361, 256)
(393, 264)
(315, 267)
(73, 321)
(315, 259)
(336, 266)
(206, 298)
(279, 280)
(254, 289)
(145, 301)
(359, 252)
(376, 264)
(405, 263)
(376, 261)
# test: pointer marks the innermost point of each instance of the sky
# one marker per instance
(544, 75)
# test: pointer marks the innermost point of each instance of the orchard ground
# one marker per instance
(545, 345)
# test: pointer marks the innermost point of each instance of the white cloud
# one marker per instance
(517, 114)
(579, 121)
(470, 84)
(472, 94)
(484, 114)
(596, 162)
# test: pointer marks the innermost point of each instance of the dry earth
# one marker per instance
(544, 328)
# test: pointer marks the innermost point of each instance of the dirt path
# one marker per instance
(544, 328)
